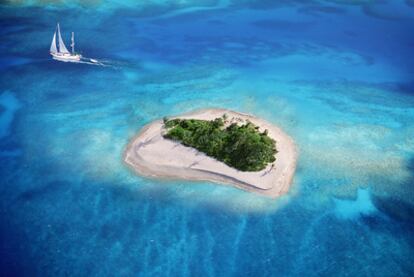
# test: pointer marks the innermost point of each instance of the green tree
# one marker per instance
(242, 147)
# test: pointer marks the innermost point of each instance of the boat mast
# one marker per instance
(59, 36)
(73, 43)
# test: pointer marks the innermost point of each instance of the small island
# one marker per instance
(216, 145)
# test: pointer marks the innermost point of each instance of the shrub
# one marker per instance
(242, 147)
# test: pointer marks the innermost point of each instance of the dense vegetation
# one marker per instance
(242, 147)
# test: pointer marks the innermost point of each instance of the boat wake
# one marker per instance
(95, 62)
(104, 62)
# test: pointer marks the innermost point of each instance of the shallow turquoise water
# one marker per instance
(338, 78)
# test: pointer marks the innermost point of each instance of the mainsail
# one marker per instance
(62, 47)
(53, 48)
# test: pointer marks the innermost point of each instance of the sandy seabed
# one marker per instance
(151, 155)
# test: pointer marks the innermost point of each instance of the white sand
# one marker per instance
(151, 155)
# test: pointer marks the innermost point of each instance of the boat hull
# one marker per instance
(66, 57)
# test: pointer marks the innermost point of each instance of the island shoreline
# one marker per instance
(151, 155)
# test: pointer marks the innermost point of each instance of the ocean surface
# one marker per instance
(337, 76)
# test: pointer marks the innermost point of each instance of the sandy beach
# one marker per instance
(149, 154)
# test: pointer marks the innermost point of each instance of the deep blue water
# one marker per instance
(338, 77)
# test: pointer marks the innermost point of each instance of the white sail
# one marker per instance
(62, 47)
(53, 48)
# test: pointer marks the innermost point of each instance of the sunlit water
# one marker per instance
(338, 78)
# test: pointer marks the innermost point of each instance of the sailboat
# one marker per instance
(59, 50)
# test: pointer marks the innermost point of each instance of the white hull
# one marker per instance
(66, 57)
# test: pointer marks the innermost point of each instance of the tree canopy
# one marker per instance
(240, 146)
